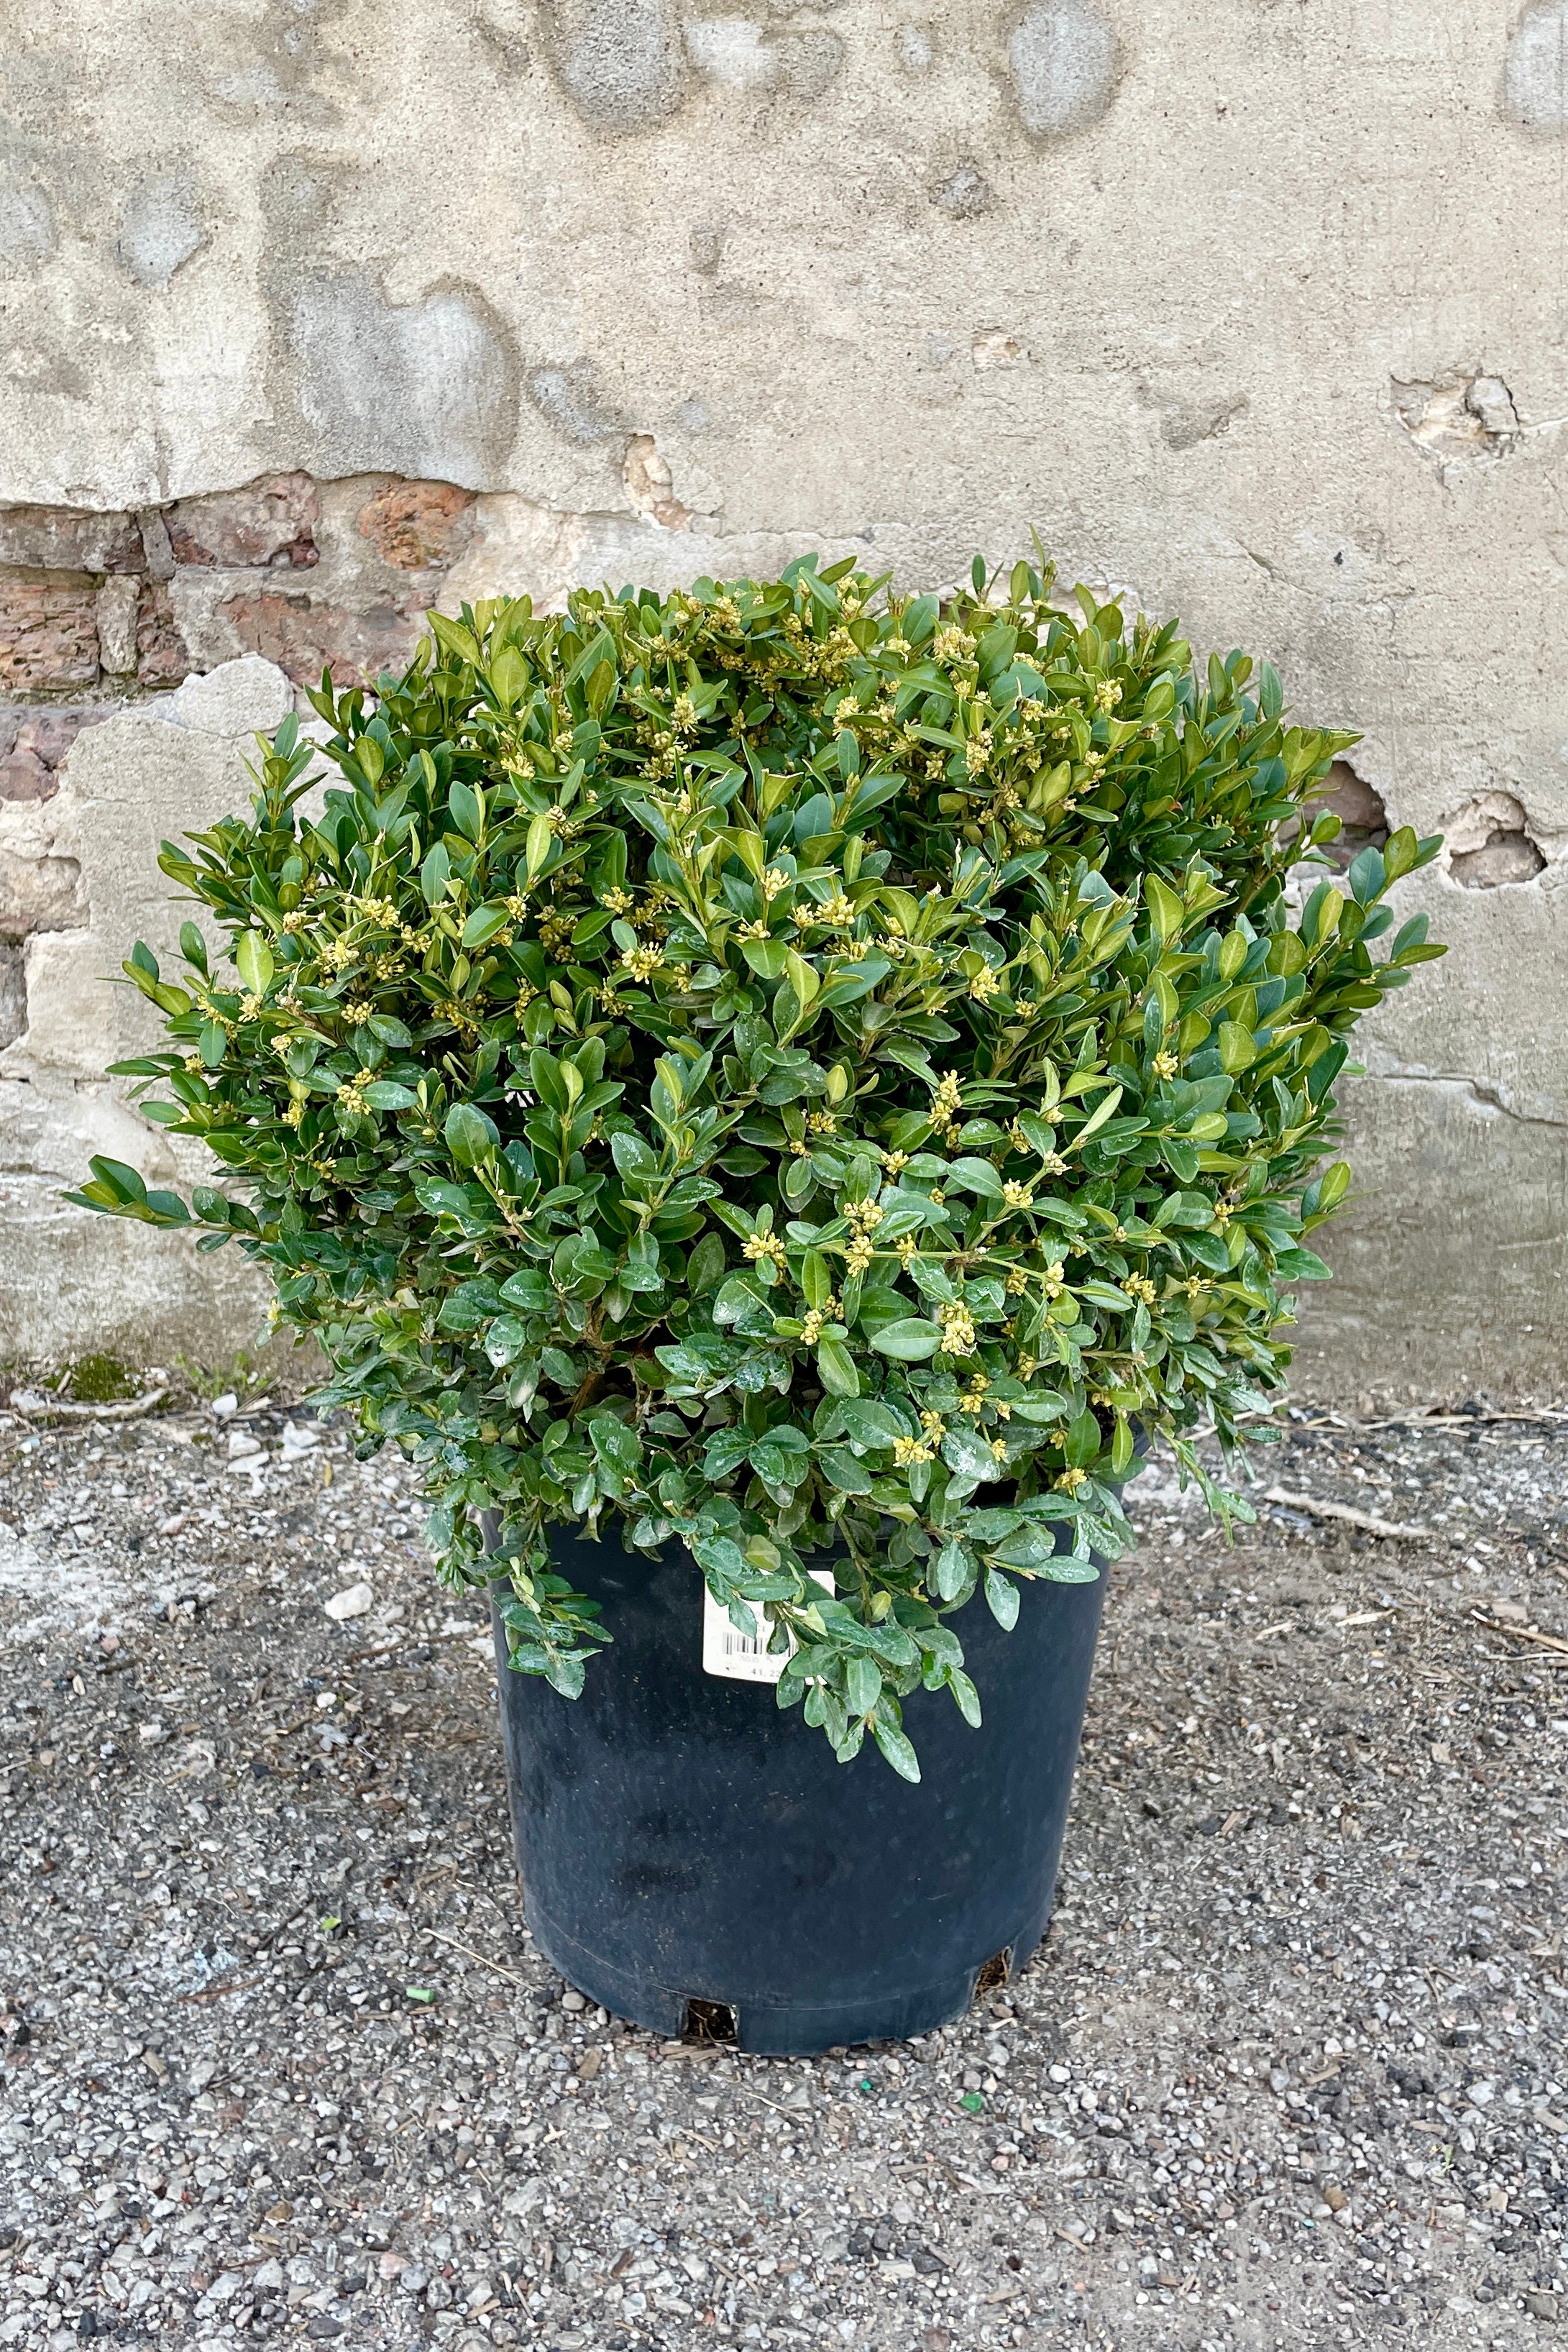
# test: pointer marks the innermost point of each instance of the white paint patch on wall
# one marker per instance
(1535, 80)
(1063, 57)
(161, 229)
(733, 51)
(425, 388)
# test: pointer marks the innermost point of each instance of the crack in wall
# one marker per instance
(1489, 1091)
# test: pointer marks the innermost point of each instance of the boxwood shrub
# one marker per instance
(793, 1068)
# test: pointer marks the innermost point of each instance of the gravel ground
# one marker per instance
(282, 2065)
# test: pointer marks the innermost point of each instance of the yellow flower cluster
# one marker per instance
(377, 911)
(945, 1099)
(958, 1336)
(758, 1246)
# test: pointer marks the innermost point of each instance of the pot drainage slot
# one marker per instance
(996, 1970)
(710, 2020)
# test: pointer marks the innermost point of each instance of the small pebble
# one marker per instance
(354, 1601)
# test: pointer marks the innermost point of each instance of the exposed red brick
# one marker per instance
(417, 526)
(1361, 812)
(1352, 800)
(48, 634)
(69, 539)
(24, 777)
(163, 657)
(271, 521)
(49, 733)
(304, 638)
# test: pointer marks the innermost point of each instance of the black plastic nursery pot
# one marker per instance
(695, 1859)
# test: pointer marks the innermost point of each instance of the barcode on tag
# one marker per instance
(745, 1657)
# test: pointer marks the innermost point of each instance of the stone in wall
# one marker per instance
(304, 637)
(1457, 419)
(48, 634)
(126, 605)
(78, 883)
(417, 526)
(1491, 843)
(13, 992)
(162, 657)
(27, 233)
(69, 539)
(270, 523)
(118, 610)
(33, 746)
(41, 867)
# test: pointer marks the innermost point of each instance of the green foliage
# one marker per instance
(799, 1071)
(239, 1374)
(100, 1379)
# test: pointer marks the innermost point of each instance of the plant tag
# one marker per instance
(745, 1657)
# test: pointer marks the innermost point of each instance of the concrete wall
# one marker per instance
(317, 311)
